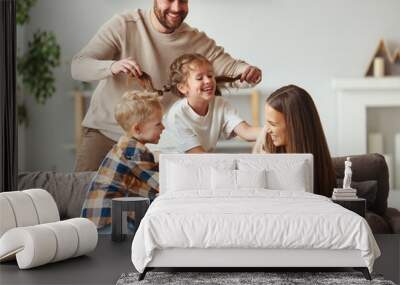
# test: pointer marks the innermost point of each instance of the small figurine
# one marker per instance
(347, 174)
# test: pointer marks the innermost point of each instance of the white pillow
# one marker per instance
(180, 172)
(251, 178)
(294, 179)
(185, 177)
(236, 179)
(223, 179)
(289, 174)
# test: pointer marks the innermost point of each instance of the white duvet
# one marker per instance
(253, 218)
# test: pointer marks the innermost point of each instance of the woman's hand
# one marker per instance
(247, 132)
(126, 66)
(252, 75)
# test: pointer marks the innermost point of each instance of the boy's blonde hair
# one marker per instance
(134, 107)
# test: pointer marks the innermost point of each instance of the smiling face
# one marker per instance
(276, 126)
(150, 130)
(200, 84)
(171, 13)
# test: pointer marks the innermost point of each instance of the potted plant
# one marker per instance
(35, 66)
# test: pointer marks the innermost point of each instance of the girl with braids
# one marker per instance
(198, 120)
(293, 126)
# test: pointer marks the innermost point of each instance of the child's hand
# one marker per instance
(252, 75)
(127, 66)
(247, 132)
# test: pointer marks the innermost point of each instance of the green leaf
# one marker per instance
(22, 13)
(37, 65)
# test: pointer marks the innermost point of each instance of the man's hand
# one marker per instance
(252, 75)
(127, 66)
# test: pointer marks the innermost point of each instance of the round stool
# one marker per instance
(137, 204)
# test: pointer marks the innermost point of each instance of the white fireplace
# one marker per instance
(354, 96)
(357, 96)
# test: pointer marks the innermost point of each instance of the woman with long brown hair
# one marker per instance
(293, 126)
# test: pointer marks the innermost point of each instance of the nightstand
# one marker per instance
(119, 205)
(357, 205)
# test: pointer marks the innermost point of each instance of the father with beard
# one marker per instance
(125, 46)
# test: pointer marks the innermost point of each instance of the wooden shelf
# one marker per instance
(254, 95)
(80, 102)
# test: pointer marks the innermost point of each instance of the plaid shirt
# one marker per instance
(127, 170)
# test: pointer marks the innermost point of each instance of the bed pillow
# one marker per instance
(280, 175)
(184, 175)
(228, 179)
(293, 180)
(251, 178)
(223, 179)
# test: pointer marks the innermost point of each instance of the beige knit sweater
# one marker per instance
(131, 34)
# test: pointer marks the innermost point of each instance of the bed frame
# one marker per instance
(256, 258)
(246, 258)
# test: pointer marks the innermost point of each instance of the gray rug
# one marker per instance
(230, 278)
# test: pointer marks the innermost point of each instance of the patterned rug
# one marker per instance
(231, 278)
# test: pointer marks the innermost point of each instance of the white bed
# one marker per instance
(220, 210)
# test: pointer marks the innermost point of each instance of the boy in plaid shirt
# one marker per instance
(129, 168)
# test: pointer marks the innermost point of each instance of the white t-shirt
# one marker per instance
(185, 129)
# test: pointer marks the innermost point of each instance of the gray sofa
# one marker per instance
(69, 189)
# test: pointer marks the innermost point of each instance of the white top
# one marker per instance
(185, 129)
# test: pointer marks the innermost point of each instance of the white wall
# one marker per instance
(302, 42)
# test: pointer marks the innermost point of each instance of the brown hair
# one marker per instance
(181, 66)
(135, 107)
(179, 72)
(304, 134)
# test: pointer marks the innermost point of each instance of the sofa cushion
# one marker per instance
(393, 217)
(67, 189)
(365, 189)
(377, 224)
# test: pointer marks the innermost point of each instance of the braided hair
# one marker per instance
(179, 73)
(181, 67)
